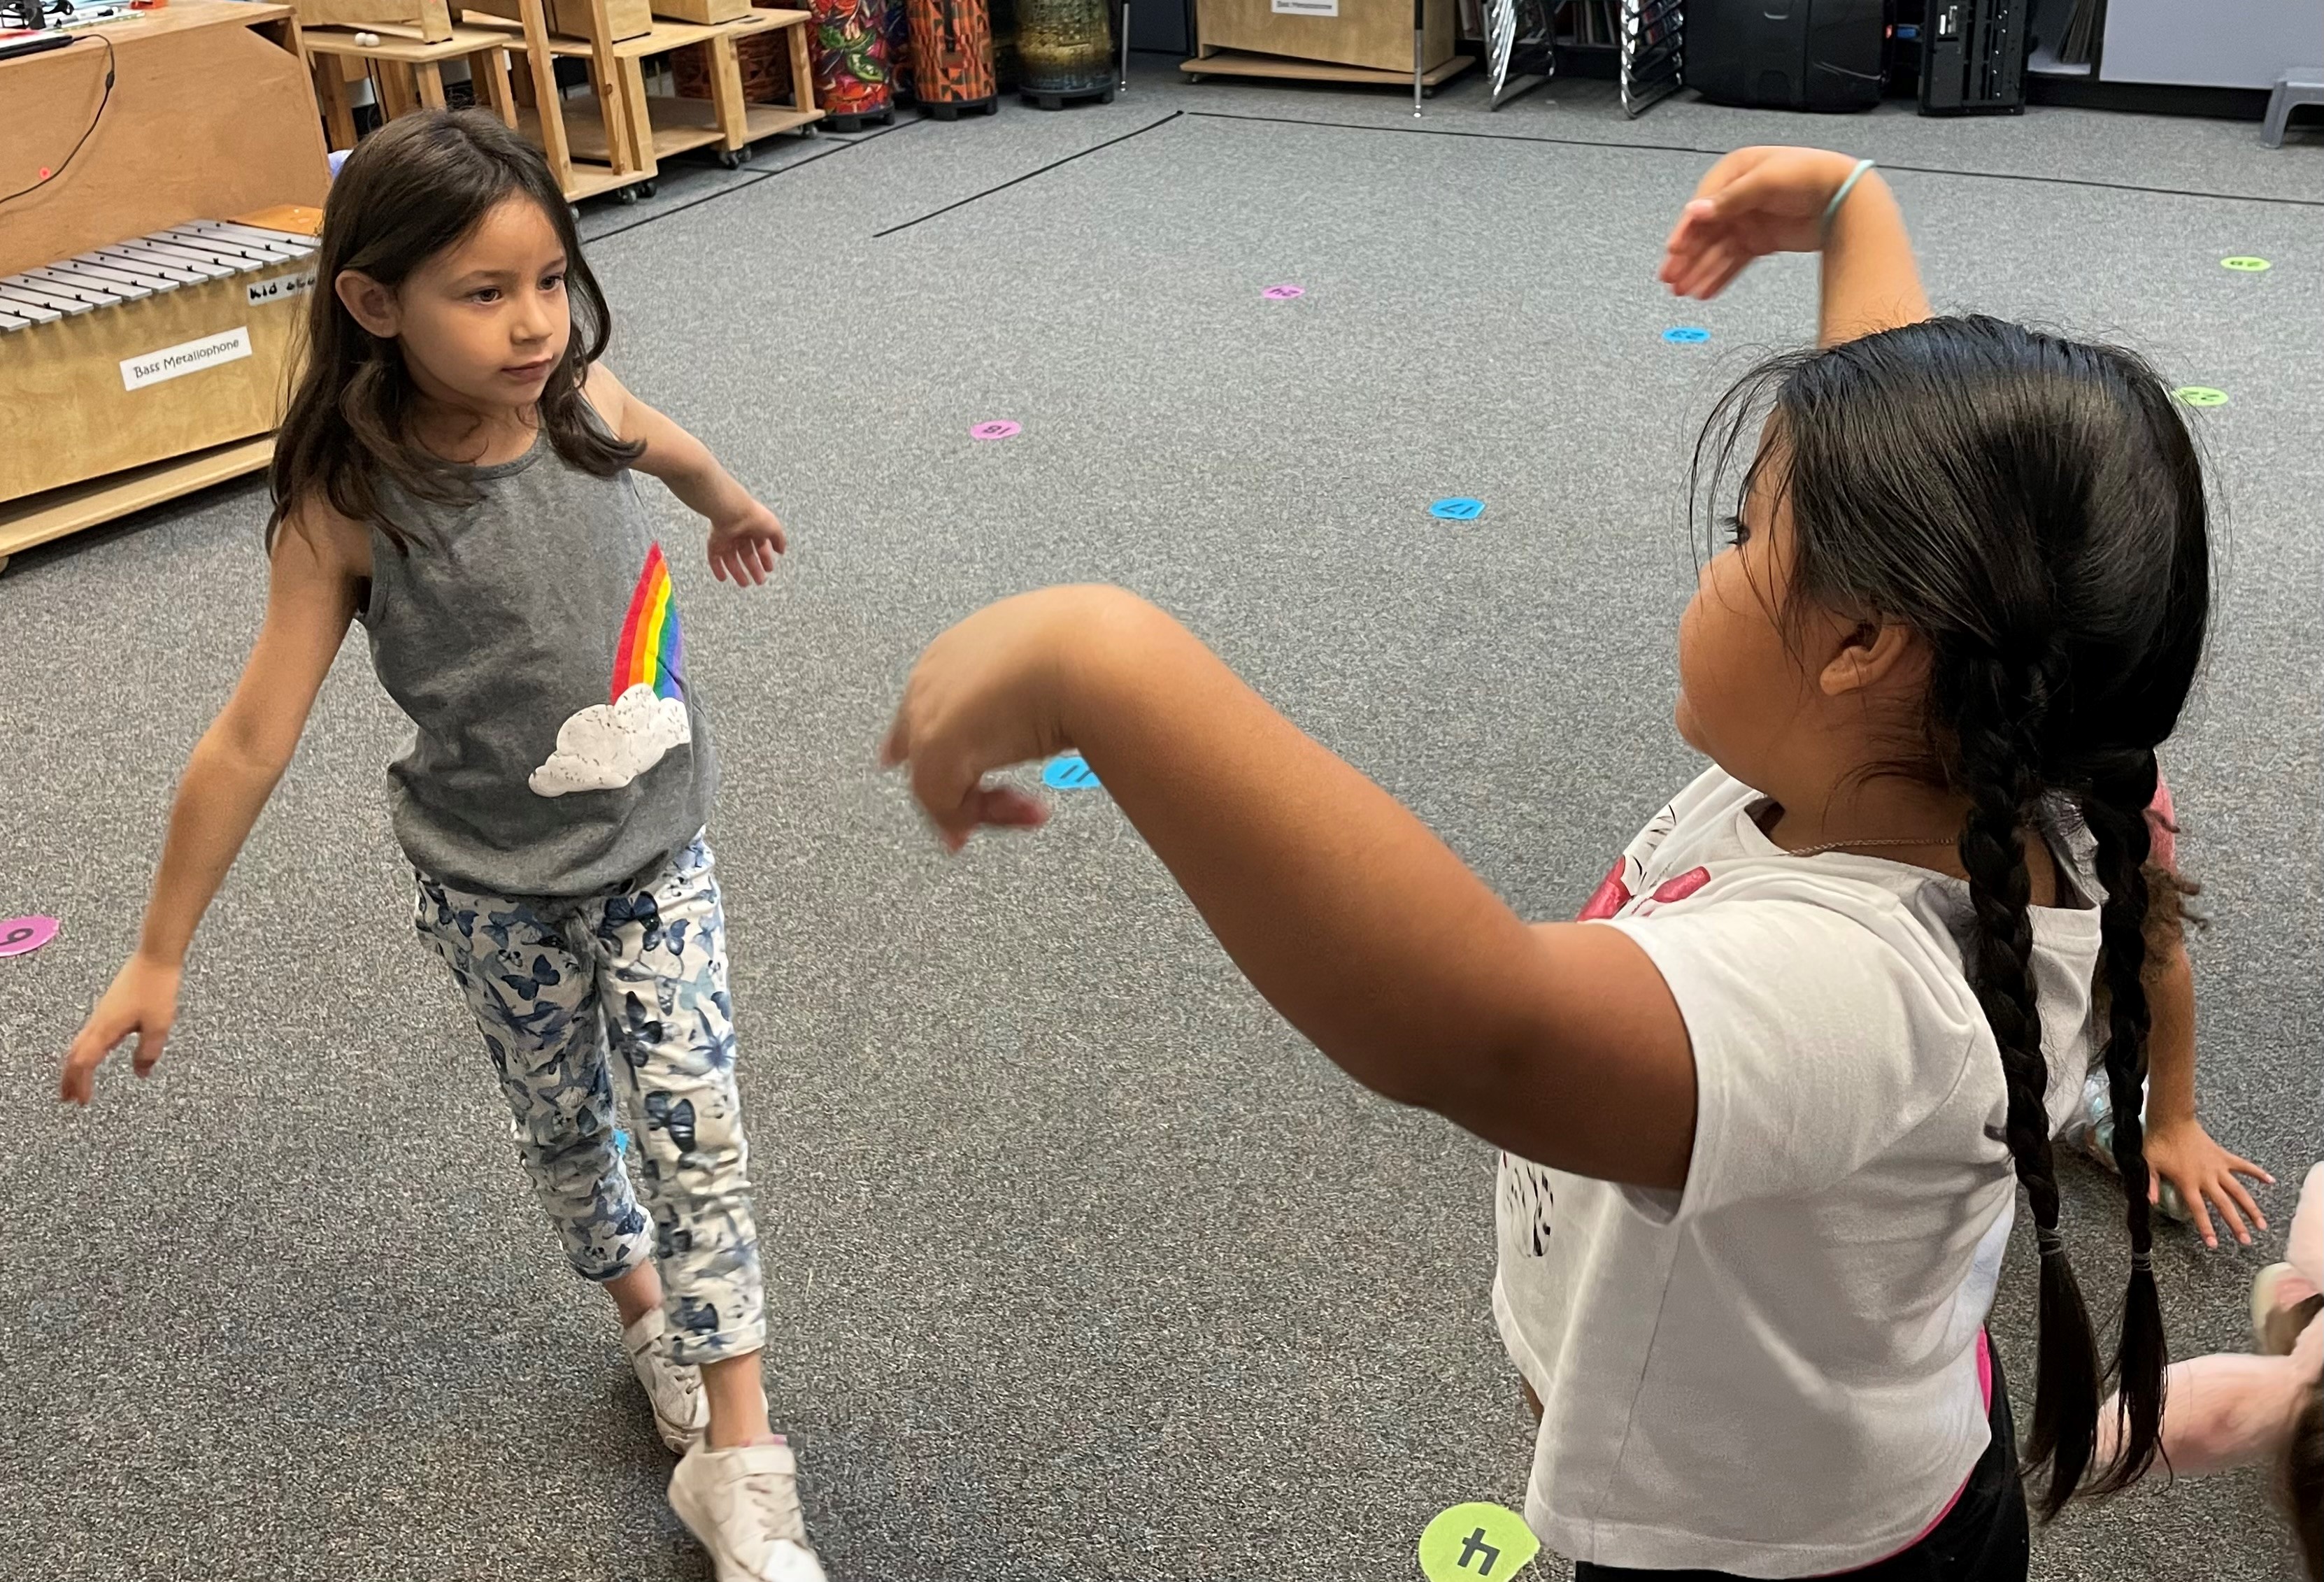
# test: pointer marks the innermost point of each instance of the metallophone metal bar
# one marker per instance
(142, 266)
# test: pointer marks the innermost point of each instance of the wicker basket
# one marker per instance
(766, 60)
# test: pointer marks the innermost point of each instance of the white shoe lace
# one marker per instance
(766, 1505)
(676, 1389)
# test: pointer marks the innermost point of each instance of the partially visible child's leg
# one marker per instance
(2303, 1246)
(536, 1002)
(661, 968)
(2286, 1296)
(661, 964)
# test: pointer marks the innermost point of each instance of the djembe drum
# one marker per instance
(952, 58)
(1066, 49)
(851, 63)
(900, 50)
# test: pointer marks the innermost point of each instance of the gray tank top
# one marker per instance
(532, 637)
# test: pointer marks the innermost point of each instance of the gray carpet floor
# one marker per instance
(1081, 1264)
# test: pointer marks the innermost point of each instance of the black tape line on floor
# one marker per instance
(1689, 148)
(838, 146)
(1028, 175)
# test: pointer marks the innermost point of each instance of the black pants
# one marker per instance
(1982, 1539)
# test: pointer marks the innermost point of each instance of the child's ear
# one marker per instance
(371, 304)
(1870, 654)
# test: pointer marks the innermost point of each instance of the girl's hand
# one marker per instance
(143, 1000)
(988, 693)
(2183, 1153)
(743, 544)
(1754, 202)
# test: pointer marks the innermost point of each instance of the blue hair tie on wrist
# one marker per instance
(1832, 209)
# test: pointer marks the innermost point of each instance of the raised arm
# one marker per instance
(1562, 1044)
(318, 566)
(1761, 200)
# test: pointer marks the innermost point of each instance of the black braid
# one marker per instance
(2116, 813)
(1994, 769)
(2031, 508)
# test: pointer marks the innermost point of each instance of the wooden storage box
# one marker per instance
(431, 18)
(705, 12)
(1376, 35)
(629, 18)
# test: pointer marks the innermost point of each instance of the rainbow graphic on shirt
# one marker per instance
(652, 651)
(606, 746)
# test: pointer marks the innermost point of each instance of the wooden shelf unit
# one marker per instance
(623, 129)
(1239, 63)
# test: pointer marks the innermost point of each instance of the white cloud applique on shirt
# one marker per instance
(606, 746)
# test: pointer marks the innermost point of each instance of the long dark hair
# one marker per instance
(2303, 1479)
(2033, 508)
(409, 190)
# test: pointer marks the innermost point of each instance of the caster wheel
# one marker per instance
(575, 210)
(627, 195)
(730, 158)
(647, 188)
(1106, 97)
(1428, 93)
(1193, 77)
(810, 131)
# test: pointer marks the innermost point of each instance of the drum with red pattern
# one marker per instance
(851, 58)
(951, 54)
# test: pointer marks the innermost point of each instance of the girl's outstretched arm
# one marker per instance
(1761, 200)
(2178, 1150)
(1561, 1042)
(318, 564)
(744, 535)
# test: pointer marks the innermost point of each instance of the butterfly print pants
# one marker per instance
(626, 989)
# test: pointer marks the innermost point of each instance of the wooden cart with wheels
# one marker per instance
(618, 125)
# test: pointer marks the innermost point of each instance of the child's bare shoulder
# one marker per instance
(604, 393)
(317, 534)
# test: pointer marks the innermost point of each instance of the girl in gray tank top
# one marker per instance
(455, 472)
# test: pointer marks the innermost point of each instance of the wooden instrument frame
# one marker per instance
(211, 116)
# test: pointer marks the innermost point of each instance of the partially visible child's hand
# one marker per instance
(142, 998)
(744, 544)
(1754, 202)
(986, 694)
(2183, 1153)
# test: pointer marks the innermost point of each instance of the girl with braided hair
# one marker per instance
(1765, 1112)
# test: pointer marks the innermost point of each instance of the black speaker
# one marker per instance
(1788, 54)
(1973, 56)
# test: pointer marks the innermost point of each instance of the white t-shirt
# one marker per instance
(1775, 1372)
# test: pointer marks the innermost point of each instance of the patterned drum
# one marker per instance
(851, 62)
(899, 49)
(1001, 17)
(952, 57)
(1067, 50)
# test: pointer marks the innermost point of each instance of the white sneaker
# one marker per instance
(681, 1411)
(743, 1506)
(2266, 1330)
